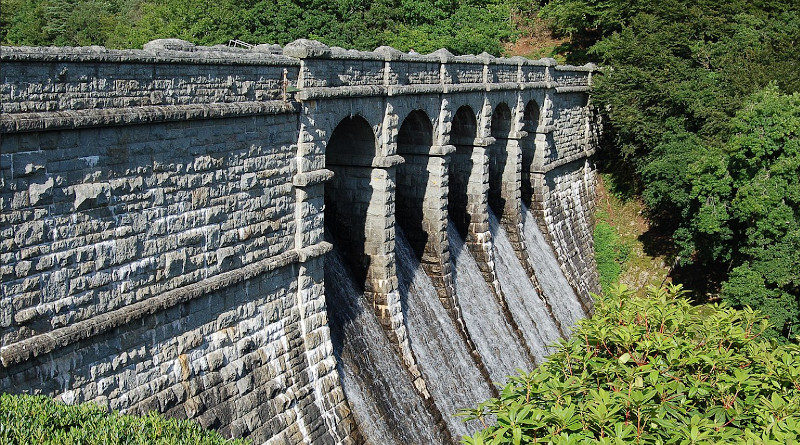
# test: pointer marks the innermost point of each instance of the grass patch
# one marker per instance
(627, 249)
(28, 419)
(610, 252)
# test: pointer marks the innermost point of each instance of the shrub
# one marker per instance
(655, 369)
(40, 420)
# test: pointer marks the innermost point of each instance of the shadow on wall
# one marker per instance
(532, 156)
(498, 157)
(463, 132)
(349, 154)
(414, 141)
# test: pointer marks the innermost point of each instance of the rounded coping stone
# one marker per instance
(588, 67)
(389, 53)
(314, 49)
(177, 50)
(307, 49)
(154, 52)
(353, 54)
(169, 44)
(443, 55)
(270, 48)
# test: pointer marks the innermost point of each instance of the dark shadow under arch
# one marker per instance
(414, 141)
(498, 156)
(532, 157)
(463, 132)
(349, 155)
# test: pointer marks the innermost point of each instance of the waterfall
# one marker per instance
(563, 301)
(452, 377)
(385, 405)
(501, 351)
(524, 302)
(378, 388)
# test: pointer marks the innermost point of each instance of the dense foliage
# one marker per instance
(748, 207)
(698, 98)
(40, 420)
(654, 369)
(462, 26)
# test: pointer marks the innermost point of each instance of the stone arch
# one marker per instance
(414, 142)
(501, 166)
(430, 107)
(463, 133)
(501, 120)
(415, 134)
(352, 142)
(349, 154)
(464, 127)
(532, 150)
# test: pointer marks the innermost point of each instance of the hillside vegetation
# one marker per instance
(462, 26)
(628, 250)
(701, 105)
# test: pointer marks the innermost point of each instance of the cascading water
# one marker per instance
(524, 302)
(502, 353)
(379, 390)
(452, 377)
(386, 407)
(562, 298)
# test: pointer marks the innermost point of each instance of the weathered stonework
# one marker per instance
(164, 210)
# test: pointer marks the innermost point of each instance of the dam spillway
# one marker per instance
(501, 349)
(380, 392)
(163, 232)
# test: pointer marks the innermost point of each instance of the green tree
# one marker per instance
(748, 214)
(462, 26)
(65, 22)
(679, 74)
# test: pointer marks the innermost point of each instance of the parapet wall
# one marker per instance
(163, 214)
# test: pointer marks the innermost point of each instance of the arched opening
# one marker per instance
(499, 165)
(414, 141)
(416, 134)
(532, 157)
(463, 132)
(349, 155)
(352, 143)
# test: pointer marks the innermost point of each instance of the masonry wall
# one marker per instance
(569, 203)
(107, 217)
(165, 73)
(232, 360)
(568, 190)
(149, 255)
(163, 215)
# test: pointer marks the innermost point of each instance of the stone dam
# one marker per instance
(299, 244)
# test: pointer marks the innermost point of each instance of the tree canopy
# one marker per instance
(700, 101)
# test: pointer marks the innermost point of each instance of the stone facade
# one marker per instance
(164, 211)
